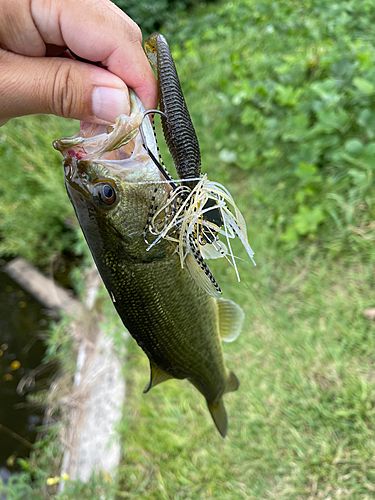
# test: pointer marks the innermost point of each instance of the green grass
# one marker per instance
(302, 424)
(37, 220)
(289, 88)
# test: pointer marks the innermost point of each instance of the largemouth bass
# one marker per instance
(149, 238)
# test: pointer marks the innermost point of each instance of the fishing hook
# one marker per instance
(150, 153)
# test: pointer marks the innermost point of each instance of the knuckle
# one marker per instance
(63, 92)
(137, 33)
(134, 32)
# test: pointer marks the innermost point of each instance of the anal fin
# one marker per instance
(231, 319)
(232, 384)
(157, 376)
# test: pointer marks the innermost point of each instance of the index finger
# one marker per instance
(98, 32)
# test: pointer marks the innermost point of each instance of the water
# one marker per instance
(22, 324)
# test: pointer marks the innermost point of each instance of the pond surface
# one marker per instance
(22, 325)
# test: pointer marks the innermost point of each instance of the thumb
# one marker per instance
(59, 86)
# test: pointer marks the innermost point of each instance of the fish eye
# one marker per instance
(104, 194)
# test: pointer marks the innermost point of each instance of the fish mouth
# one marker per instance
(95, 143)
(118, 147)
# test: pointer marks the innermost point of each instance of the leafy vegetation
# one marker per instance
(282, 97)
(290, 90)
(150, 16)
(282, 87)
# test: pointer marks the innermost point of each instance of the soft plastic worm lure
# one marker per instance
(178, 128)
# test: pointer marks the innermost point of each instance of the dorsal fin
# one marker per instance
(157, 376)
(231, 319)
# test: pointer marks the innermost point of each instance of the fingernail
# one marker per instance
(107, 103)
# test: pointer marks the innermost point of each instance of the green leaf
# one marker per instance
(307, 219)
(359, 177)
(353, 146)
(329, 120)
(305, 171)
(365, 58)
(290, 235)
(287, 95)
(363, 85)
(296, 128)
(366, 120)
(252, 116)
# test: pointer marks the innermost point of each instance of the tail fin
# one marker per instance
(219, 415)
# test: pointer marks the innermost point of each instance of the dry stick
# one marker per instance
(16, 436)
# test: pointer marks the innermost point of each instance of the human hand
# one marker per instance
(37, 76)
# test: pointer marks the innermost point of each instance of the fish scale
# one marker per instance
(163, 335)
(148, 283)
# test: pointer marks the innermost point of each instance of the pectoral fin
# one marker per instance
(202, 276)
(231, 319)
(219, 415)
(157, 376)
